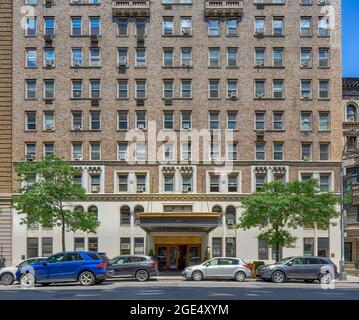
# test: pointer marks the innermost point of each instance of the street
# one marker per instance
(177, 289)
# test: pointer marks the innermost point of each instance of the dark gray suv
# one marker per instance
(140, 267)
(307, 268)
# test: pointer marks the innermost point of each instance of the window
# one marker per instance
(262, 250)
(323, 89)
(49, 89)
(76, 26)
(31, 120)
(186, 57)
(278, 120)
(306, 89)
(308, 246)
(186, 89)
(141, 120)
(278, 89)
(214, 89)
(230, 247)
(305, 26)
(139, 246)
(348, 251)
(31, 58)
(233, 183)
(95, 151)
(260, 151)
(232, 27)
(323, 247)
(213, 27)
(76, 57)
(324, 182)
(122, 55)
(49, 57)
(95, 183)
(217, 247)
(232, 58)
(168, 26)
(278, 26)
(140, 89)
(278, 150)
(232, 120)
(122, 27)
(259, 26)
(168, 122)
(140, 24)
(95, 25)
(186, 183)
(260, 120)
(232, 151)
(214, 120)
(122, 89)
(214, 150)
(213, 58)
(32, 247)
(306, 151)
(324, 151)
(168, 89)
(214, 183)
(323, 57)
(125, 245)
(324, 121)
(259, 87)
(351, 113)
(76, 120)
(123, 183)
(277, 54)
(305, 121)
(77, 151)
(306, 176)
(140, 57)
(95, 89)
(79, 244)
(49, 26)
(95, 58)
(186, 151)
(168, 182)
(31, 27)
(93, 244)
(122, 120)
(122, 150)
(232, 92)
(168, 148)
(168, 57)
(306, 57)
(323, 27)
(30, 149)
(31, 2)
(49, 149)
(46, 247)
(141, 182)
(259, 57)
(31, 90)
(49, 120)
(77, 90)
(140, 151)
(186, 26)
(186, 119)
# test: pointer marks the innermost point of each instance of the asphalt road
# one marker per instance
(186, 290)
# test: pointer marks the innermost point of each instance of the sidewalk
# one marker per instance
(350, 279)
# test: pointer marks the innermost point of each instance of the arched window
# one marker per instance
(125, 215)
(231, 216)
(351, 113)
(217, 209)
(94, 211)
(79, 208)
(139, 209)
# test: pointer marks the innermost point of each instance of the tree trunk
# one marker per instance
(277, 252)
(63, 236)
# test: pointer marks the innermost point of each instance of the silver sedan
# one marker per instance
(218, 268)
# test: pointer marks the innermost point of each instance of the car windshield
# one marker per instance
(284, 261)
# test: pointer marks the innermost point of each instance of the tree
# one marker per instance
(47, 201)
(278, 207)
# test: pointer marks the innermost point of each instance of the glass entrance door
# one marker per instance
(194, 255)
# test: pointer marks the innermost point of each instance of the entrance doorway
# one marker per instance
(177, 256)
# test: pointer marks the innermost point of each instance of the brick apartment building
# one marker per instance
(259, 80)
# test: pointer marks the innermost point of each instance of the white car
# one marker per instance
(219, 268)
(8, 274)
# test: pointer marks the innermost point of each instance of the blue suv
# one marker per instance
(87, 268)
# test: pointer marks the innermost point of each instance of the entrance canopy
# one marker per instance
(177, 222)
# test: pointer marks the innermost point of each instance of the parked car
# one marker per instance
(87, 268)
(307, 268)
(140, 267)
(8, 274)
(219, 268)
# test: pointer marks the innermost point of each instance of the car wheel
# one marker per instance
(278, 277)
(142, 275)
(309, 281)
(87, 278)
(325, 278)
(27, 280)
(240, 276)
(197, 276)
(7, 279)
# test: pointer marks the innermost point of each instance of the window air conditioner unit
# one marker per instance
(230, 240)
(186, 189)
(49, 64)
(259, 32)
(77, 158)
(259, 63)
(260, 132)
(140, 189)
(230, 221)
(95, 189)
(233, 96)
(260, 95)
(306, 95)
(122, 62)
(305, 64)
(49, 128)
(122, 157)
(186, 63)
(186, 157)
(140, 126)
(186, 126)
(306, 158)
(49, 3)
(30, 157)
(77, 127)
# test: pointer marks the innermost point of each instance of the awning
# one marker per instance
(179, 221)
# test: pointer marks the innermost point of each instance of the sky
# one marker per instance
(350, 16)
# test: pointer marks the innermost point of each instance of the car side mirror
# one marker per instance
(290, 263)
(207, 264)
